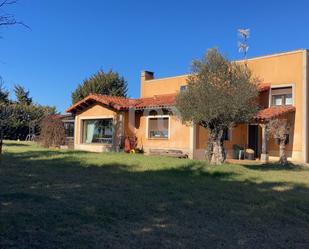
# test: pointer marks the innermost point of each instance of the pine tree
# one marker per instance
(110, 83)
(4, 94)
(22, 96)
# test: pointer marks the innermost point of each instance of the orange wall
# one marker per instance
(280, 69)
(149, 88)
(238, 136)
(95, 111)
(179, 134)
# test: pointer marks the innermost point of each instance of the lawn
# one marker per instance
(71, 199)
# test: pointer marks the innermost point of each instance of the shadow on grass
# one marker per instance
(60, 203)
(277, 166)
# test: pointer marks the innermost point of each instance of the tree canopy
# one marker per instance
(4, 94)
(22, 96)
(110, 83)
(21, 117)
(220, 94)
(279, 129)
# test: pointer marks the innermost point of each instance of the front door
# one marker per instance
(253, 142)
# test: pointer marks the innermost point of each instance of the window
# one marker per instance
(281, 96)
(158, 127)
(69, 129)
(183, 88)
(98, 131)
(227, 134)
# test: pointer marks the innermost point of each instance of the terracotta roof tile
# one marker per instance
(122, 103)
(262, 87)
(274, 111)
(166, 100)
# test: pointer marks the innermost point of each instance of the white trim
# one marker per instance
(158, 116)
(192, 140)
(280, 86)
(75, 132)
(273, 55)
(97, 117)
(305, 107)
(238, 61)
(165, 78)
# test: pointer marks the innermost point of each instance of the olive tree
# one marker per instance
(279, 129)
(220, 94)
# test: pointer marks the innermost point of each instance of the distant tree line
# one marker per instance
(20, 117)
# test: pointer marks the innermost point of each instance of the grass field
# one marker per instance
(70, 199)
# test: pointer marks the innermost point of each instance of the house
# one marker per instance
(102, 122)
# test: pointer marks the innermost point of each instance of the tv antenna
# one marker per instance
(243, 47)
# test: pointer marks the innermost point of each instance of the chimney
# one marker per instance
(147, 75)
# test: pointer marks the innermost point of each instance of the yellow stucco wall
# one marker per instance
(93, 112)
(178, 138)
(278, 70)
(149, 88)
(281, 69)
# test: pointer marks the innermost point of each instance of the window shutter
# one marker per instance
(281, 91)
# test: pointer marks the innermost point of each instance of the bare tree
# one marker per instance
(8, 19)
(280, 129)
(52, 132)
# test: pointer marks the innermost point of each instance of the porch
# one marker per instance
(255, 136)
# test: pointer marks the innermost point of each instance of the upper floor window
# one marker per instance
(183, 88)
(281, 96)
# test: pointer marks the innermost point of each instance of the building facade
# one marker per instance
(102, 122)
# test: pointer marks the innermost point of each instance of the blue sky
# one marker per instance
(72, 39)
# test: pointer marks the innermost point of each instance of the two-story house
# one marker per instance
(101, 122)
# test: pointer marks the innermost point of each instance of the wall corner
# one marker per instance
(305, 113)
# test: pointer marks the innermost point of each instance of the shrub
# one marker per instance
(52, 131)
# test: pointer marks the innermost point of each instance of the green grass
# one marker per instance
(71, 199)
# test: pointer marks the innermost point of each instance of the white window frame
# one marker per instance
(282, 86)
(158, 116)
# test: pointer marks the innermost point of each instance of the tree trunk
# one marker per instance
(1, 141)
(209, 150)
(218, 152)
(282, 153)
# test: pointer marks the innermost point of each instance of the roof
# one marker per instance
(122, 103)
(166, 100)
(274, 112)
(263, 87)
